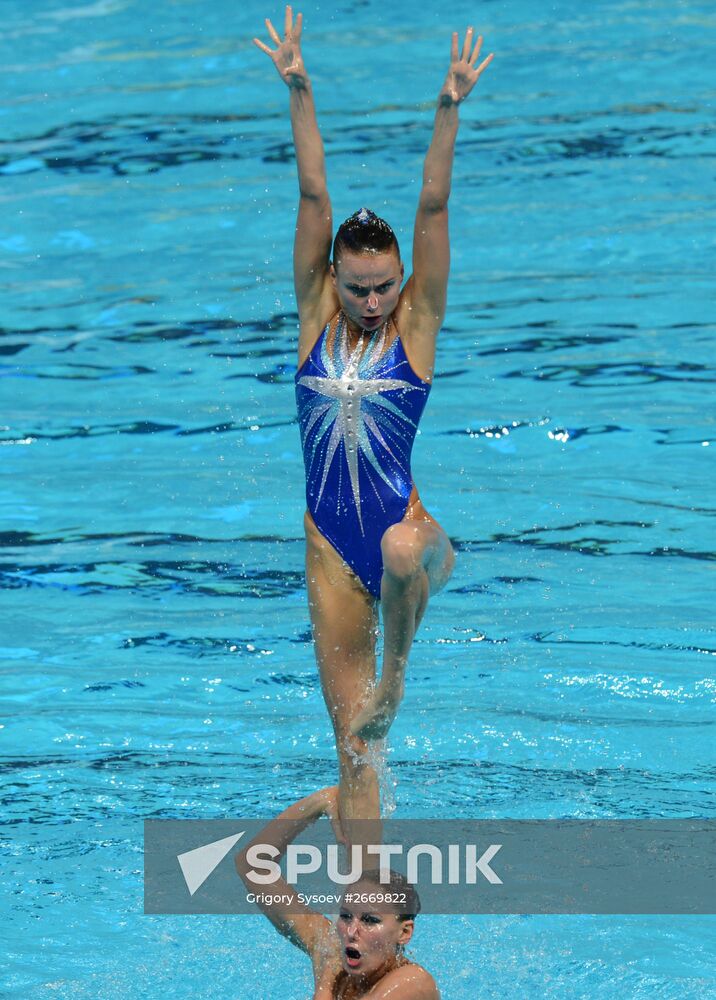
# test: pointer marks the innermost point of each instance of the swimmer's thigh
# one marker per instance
(344, 619)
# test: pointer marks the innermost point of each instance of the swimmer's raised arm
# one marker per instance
(302, 925)
(427, 289)
(314, 226)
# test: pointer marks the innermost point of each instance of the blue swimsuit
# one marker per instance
(358, 415)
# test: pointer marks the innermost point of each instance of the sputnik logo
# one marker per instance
(197, 865)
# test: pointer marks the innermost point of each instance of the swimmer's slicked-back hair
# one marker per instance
(364, 232)
(398, 885)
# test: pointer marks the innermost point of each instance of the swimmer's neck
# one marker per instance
(356, 331)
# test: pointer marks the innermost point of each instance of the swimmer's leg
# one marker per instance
(417, 561)
(344, 619)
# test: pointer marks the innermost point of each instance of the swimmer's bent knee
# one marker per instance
(401, 552)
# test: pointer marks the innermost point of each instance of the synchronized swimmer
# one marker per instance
(366, 355)
(363, 953)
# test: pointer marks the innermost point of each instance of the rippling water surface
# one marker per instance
(156, 658)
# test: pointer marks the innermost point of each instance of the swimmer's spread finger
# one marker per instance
(264, 48)
(485, 63)
(473, 58)
(466, 45)
(272, 31)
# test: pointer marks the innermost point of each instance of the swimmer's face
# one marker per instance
(368, 287)
(370, 938)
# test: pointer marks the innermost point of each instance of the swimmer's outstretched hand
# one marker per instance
(287, 57)
(463, 73)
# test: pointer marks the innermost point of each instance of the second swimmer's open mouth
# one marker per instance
(352, 955)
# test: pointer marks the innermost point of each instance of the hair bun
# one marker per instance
(364, 233)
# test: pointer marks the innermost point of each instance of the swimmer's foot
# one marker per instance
(376, 718)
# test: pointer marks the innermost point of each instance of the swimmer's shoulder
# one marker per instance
(418, 334)
(409, 982)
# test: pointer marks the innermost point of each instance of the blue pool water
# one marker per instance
(156, 658)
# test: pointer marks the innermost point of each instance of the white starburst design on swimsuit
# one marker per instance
(350, 382)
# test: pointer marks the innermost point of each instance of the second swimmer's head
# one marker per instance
(375, 922)
(367, 271)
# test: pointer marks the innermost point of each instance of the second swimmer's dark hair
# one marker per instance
(398, 885)
(364, 232)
